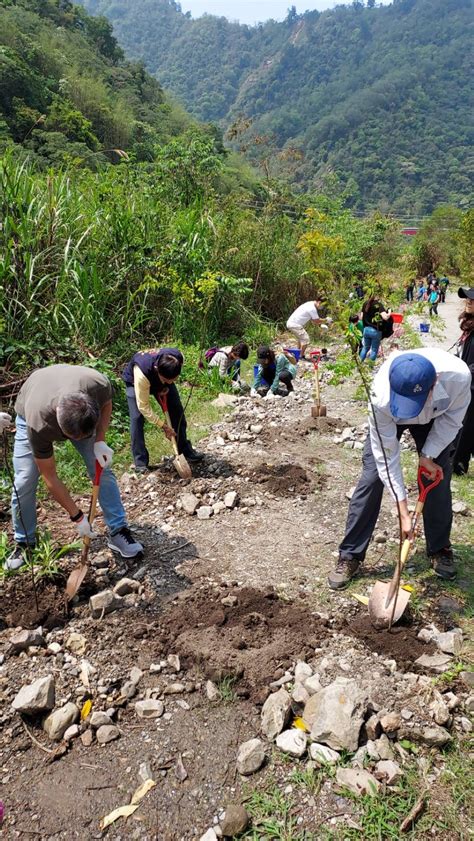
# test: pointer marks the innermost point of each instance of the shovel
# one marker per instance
(318, 410)
(78, 574)
(387, 602)
(180, 464)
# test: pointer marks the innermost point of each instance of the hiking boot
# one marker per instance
(125, 544)
(17, 557)
(443, 564)
(346, 568)
(193, 455)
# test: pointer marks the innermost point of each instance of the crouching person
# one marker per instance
(227, 360)
(274, 369)
(59, 403)
(153, 374)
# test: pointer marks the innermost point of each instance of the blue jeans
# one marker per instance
(26, 483)
(371, 342)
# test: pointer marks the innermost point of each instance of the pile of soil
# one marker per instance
(400, 643)
(281, 479)
(18, 605)
(249, 641)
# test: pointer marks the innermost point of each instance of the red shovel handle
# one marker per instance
(315, 356)
(425, 487)
(98, 474)
(163, 401)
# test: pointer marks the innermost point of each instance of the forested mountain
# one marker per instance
(68, 96)
(380, 96)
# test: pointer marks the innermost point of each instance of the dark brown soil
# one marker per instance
(249, 641)
(281, 479)
(18, 603)
(400, 643)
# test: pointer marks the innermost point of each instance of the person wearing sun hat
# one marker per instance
(465, 350)
(426, 391)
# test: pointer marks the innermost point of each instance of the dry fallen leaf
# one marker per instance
(179, 770)
(300, 724)
(361, 599)
(142, 790)
(86, 709)
(121, 812)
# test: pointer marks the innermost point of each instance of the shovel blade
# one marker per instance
(182, 467)
(75, 580)
(381, 605)
(318, 411)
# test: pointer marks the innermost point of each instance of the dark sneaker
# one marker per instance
(17, 557)
(125, 544)
(459, 469)
(141, 470)
(193, 455)
(443, 564)
(345, 570)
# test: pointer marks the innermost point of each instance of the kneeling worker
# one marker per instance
(59, 403)
(427, 392)
(154, 373)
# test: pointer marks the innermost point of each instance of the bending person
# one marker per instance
(152, 374)
(300, 317)
(427, 392)
(60, 403)
(465, 349)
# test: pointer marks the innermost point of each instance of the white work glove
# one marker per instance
(324, 327)
(329, 319)
(254, 392)
(5, 421)
(269, 395)
(84, 528)
(103, 453)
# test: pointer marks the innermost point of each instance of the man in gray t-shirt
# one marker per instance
(60, 403)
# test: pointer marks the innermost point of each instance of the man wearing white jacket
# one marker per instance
(427, 392)
(59, 403)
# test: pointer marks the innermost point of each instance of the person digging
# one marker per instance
(427, 392)
(60, 403)
(299, 319)
(154, 373)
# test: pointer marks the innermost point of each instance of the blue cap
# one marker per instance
(411, 378)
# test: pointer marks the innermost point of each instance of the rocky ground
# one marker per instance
(217, 686)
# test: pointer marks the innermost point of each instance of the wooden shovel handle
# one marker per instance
(163, 401)
(92, 508)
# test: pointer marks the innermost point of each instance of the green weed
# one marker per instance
(225, 687)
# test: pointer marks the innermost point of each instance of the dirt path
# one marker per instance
(208, 593)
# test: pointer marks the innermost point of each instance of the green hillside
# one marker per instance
(68, 96)
(380, 96)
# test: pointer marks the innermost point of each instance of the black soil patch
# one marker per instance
(18, 604)
(400, 643)
(282, 479)
(250, 640)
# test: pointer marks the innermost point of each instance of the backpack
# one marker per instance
(386, 328)
(208, 355)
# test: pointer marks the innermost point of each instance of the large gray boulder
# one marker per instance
(335, 714)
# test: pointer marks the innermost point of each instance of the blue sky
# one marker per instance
(252, 11)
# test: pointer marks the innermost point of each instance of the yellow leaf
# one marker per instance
(86, 708)
(299, 723)
(142, 790)
(121, 812)
(408, 588)
(361, 599)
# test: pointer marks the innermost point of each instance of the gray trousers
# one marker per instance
(365, 504)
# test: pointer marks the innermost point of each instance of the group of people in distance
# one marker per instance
(431, 289)
(429, 392)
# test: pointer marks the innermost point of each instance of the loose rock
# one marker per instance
(24, 639)
(390, 722)
(433, 662)
(235, 820)
(149, 708)
(204, 512)
(230, 499)
(450, 642)
(104, 602)
(275, 713)
(335, 714)
(388, 771)
(212, 691)
(323, 755)
(250, 757)
(107, 733)
(76, 643)
(293, 742)
(189, 502)
(100, 719)
(36, 697)
(126, 586)
(358, 781)
(57, 722)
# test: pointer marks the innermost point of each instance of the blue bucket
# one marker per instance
(295, 351)
(424, 328)
(255, 370)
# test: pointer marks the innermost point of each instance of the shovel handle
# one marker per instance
(163, 401)
(92, 508)
(425, 487)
